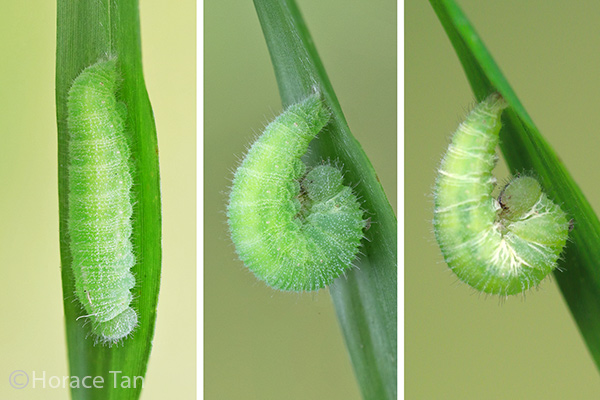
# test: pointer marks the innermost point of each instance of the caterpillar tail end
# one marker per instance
(495, 102)
(112, 331)
(313, 110)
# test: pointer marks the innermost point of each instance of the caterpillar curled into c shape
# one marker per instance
(296, 231)
(100, 207)
(503, 246)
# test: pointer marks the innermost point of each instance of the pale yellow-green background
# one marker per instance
(259, 343)
(459, 344)
(32, 328)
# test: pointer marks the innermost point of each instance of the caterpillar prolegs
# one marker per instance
(100, 208)
(501, 246)
(296, 231)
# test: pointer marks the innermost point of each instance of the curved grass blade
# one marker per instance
(365, 300)
(524, 149)
(86, 32)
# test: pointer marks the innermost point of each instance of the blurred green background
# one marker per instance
(460, 344)
(259, 343)
(31, 309)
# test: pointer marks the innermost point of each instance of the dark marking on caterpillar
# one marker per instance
(294, 230)
(502, 246)
(100, 206)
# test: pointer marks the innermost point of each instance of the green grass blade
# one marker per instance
(86, 32)
(525, 149)
(365, 300)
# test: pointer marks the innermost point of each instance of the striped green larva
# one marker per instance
(100, 207)
(502, 246)
(295, 231)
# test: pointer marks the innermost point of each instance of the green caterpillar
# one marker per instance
(295, 231)
(503, 246)
(100, 209)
